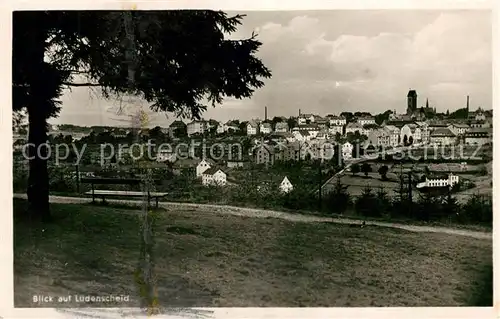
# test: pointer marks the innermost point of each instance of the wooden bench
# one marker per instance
(118, 181)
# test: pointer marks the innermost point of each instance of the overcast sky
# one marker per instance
(332, 61)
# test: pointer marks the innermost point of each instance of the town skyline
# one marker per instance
(325, 62)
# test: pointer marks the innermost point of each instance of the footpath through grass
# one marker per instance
(204, 259)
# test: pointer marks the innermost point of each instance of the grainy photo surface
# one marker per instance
(187, 158)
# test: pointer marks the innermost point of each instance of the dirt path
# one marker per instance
(261, 213)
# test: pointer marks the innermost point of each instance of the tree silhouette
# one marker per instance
(383, 171)
(171, 59)
(355, 168)
(366, 168)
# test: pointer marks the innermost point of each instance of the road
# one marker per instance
(261, 213)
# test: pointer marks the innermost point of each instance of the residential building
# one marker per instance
(416, 132)
(365, 120)
(265, 128)
(162, 155)
(196, 127)
(312, 129)
(263, 154)
(214, 176)
(478, 136)
(252, 127)
(347, 150)
(285, 185)
(305, 119)
(302, 136)
(368, 128)
(321, 121)
(338, 121)
(480, 115)
(439, 181)
(334, 129)
(459, 128)
(185, 166)
(231, 126)
(211, 124)
(281, 127)
(203, 165)
(424, 129)
(353, 127)
(177, 128)
(221, 128)
(394, 135)
(234, 163)
(442, 136)
(380, 137)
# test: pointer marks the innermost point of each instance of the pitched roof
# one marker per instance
(252, 123)
(442, 132)
(476, 130)
(213, 170)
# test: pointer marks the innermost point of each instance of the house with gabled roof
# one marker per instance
(252, 127)
(443, 136)
(214, 176)
(203, 165)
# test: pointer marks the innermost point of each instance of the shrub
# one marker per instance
(367, 203)
(339, 199)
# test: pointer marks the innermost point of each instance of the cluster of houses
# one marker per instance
(212, 174)
(399, 129)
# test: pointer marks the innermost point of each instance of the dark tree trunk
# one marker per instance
(39, 106)
(38, 180)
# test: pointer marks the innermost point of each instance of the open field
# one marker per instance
(209, 259)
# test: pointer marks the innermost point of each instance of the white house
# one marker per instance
(214, 176)
(338, 121)
(424, 131)
(305, 119)
(286, 186)
(394, 136)
(416, 132)
(265, 128)
(366, 120)
(196, 127)
(442, 136)
(221, 128)
(347, 150)
(252, 128)
(312, 129)
(478, 136)
(164, 155)
(202, 166)
(334, 129)
(459, 128)
(439, 181)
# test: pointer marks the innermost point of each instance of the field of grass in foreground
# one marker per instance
(205, 259)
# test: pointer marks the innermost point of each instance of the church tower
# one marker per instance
(427, 104)
(412, 102)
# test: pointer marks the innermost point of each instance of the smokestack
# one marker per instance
(265, 113)
(299, 112)
(467, 103)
